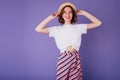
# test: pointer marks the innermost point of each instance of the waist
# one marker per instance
(71, 54)
(64, 50)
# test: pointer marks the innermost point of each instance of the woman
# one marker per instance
(68, 39)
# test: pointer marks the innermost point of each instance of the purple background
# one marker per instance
(28, 55)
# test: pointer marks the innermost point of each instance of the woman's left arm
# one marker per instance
(95, 22)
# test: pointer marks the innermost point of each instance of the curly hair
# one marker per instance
(74, 17)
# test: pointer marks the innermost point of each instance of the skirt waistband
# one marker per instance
(69, 52)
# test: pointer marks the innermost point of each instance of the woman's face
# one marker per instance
(67, 14)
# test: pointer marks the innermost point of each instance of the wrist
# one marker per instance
(85, 13)
(50, 17)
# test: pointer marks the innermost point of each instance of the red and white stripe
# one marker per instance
(69, 66)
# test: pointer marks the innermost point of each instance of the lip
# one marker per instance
(67, 17)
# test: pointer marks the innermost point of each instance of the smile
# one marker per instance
(67, 17)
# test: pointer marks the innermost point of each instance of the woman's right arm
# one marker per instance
(41, 27)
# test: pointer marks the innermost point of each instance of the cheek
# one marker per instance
(71, 15)
(64, 15)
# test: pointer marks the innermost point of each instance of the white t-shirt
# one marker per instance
(68, 35)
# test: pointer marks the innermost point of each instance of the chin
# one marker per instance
(68, 20)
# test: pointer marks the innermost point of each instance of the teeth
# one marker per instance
(67, 17)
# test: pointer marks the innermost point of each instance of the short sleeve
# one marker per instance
(52, 31)
(82, 28)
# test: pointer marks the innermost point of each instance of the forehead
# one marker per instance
(67, 8)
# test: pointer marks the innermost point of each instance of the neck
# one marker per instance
(67, 23)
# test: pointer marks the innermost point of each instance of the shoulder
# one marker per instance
(54, 29)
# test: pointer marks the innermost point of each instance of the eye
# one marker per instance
(70, 11)
(64, 11)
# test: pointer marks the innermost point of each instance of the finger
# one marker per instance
(77, 11)
(53, 14)
(57, 14)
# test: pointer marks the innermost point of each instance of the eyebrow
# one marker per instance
(68, 11)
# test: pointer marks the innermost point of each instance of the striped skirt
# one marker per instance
(69, 66)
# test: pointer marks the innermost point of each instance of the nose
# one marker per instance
(67, 14)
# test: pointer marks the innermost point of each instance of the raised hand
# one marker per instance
(95, 22)
(41, 27)
(53, 15)
(80, 12)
